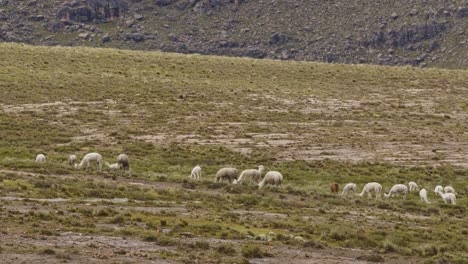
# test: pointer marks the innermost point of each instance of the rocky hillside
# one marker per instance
(400, 32)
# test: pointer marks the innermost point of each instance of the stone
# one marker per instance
(330, 57)
(130, 22)
(462, 12)
(278, 39)
(163, 2)
(193, 2)
(182, 5)
(139, 17)
(137, 37)
(106, 38)
(172, 37)
(83, 35)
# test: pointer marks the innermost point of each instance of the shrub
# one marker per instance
(117, 220)
(313, 244)
(254, 251)
(226, 249)
(165, 241)
(48, 251)
(150, 238)
(202, 245)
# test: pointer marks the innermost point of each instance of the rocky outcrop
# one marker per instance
(92, 10)
(431, 32)
(406, 35)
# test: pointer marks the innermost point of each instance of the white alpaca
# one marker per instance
(397, 188)
(449, 189)
(423, 195)
(371, 187)
(349, 187)
(448, 197)
(228, 174)
(272, 178)
(250, 175)
(72, 160)
(40, 158)
(196, 173)
(113, 166)
(413, 186)
(88, 158)
(438, 189)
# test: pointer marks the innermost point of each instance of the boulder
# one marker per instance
(181, 5)
(192, 2)
(462, 12)
(37, 18)
(83, 35)
(106, 38)
(278, 39)
(163, 2)
(172, 37)
(137, 37)
(139, 17)
(330, 57)
(54, 26)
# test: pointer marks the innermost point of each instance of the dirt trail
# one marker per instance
(108, 249)
(83, 248)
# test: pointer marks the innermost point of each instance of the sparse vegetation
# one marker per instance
(321, 128)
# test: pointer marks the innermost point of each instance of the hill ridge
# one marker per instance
(429, 33)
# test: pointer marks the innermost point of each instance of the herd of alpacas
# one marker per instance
(122, 163)
(447, 194)
(254, 176)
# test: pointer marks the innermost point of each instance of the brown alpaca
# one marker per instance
(334, 187)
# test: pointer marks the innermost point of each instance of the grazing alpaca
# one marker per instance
(423, 195)
(40, 158)
(448, 197)
(123, 162)
(438, 189)
(334, 187)
(250, 175)
(449, 189)
(113, 166)
(88, 158)
(349, 187)
(371, 187)
(228, 174)
(272, 178)
(413, 186)
(196, 173)
(397, 188)
(72, 160)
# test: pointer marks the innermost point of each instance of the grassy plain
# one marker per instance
(316, 123)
